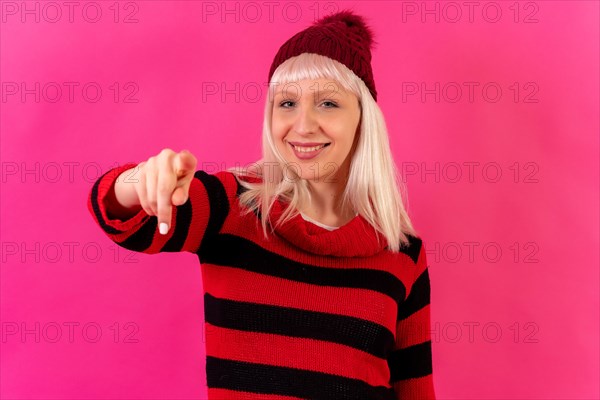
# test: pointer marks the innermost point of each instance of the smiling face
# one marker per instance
(311, 114)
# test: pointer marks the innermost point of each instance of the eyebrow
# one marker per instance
(322, 93)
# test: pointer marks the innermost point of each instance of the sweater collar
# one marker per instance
(357, 238)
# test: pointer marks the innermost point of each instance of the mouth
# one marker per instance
(305, 153)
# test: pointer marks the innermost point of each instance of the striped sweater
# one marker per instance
(309, 313)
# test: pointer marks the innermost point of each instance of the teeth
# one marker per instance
(308, 149)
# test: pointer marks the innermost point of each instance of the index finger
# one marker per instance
(165, 185)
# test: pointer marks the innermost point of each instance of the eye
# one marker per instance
(333, 105)
(285, 102)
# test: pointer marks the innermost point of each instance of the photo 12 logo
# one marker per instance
(253, 12)
(518, 172)
(69, 92)
(487, 332)
(454, 12)
(53, 12)
(469, 92)
(68, 332)
(71, 252)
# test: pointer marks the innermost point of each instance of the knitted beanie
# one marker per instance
(343, 36)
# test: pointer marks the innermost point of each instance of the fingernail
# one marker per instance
(163, 228)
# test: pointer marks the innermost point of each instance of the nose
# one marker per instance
(306, 121)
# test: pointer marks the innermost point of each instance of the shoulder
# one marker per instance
(414, 248)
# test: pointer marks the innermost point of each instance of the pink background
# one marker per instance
(533, 311)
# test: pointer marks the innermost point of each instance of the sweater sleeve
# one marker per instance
(411, 372)
(191, 223)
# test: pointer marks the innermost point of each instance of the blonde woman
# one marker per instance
(316, 283)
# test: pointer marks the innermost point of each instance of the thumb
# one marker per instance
(180, 195)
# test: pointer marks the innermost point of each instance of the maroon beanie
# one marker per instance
(344, 37)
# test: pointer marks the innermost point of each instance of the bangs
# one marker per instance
(314, 66)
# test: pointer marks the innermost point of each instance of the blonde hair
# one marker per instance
(373, 189)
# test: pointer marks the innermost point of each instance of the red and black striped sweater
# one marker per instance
(310, 313)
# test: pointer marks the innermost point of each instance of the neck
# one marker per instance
(326, 202)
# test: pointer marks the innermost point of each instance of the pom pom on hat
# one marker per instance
(354, 23)
(343, 36)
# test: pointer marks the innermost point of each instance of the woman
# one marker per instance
(316, 284)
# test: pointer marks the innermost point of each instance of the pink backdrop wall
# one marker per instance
(503, 183)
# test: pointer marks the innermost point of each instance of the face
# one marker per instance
(316, 113)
